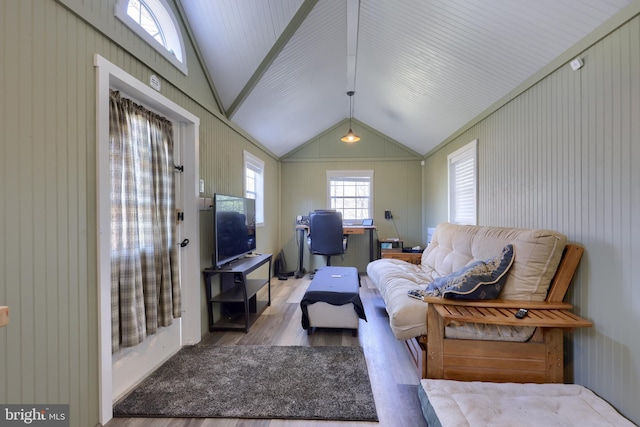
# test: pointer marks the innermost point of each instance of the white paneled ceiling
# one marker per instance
(423, 68)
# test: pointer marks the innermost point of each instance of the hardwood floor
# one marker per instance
(394, 378)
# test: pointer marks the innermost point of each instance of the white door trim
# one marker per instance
(109, 76)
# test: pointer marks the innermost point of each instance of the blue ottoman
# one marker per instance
(332, 300)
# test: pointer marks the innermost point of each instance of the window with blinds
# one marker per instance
(463, 184)
(351, 193)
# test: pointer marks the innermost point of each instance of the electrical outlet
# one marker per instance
(387, 215)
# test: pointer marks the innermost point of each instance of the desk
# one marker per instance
(348, 230)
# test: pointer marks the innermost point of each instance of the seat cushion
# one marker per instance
(394, 278)
(447, 403)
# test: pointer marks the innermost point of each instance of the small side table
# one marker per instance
(410, 257)
(389, 246)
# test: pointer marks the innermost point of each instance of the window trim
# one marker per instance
(255, 163)
(470, 150)
(359, 173)
(169, 26)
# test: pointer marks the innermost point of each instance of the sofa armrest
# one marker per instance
(502, 312)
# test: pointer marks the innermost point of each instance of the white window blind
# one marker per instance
(351, 193)
(463, 184)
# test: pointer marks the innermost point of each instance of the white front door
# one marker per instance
(116, 371)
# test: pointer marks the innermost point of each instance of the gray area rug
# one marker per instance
(324, 383)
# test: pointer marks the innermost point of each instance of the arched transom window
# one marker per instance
(154, 21)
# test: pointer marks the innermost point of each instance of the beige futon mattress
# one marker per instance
(447, 403)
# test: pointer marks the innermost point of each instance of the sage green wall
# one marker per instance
(397, 183)
(564, 155)
(561, 156)
(49, 350)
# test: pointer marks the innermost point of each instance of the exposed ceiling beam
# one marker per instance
(353, 18)
(273, 53)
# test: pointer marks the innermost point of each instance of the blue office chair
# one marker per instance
(326, 236)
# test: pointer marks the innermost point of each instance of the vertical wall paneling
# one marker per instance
(5, 154)
(38, 85)
(51, 201)
(631, 298)
(563, 155)
(11, 199)
(48, 191)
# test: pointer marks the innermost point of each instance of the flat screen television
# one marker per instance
(234, 228)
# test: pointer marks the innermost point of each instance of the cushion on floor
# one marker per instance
(447, 403)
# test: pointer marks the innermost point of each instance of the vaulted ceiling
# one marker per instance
(420, 69)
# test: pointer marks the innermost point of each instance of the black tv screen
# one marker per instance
(234, 227)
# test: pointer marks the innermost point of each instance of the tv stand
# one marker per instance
(238, 300)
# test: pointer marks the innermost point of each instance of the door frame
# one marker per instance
(109, 76)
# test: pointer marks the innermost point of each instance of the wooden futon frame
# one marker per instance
(538, 360)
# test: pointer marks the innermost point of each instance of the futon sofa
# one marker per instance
(536, 257)
(472, 281)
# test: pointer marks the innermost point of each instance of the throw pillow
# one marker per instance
(480, 280)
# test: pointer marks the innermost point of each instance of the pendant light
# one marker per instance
(350, 137)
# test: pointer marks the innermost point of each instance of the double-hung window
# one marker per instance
(351, 193)
(463, 176)
(254, 183)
